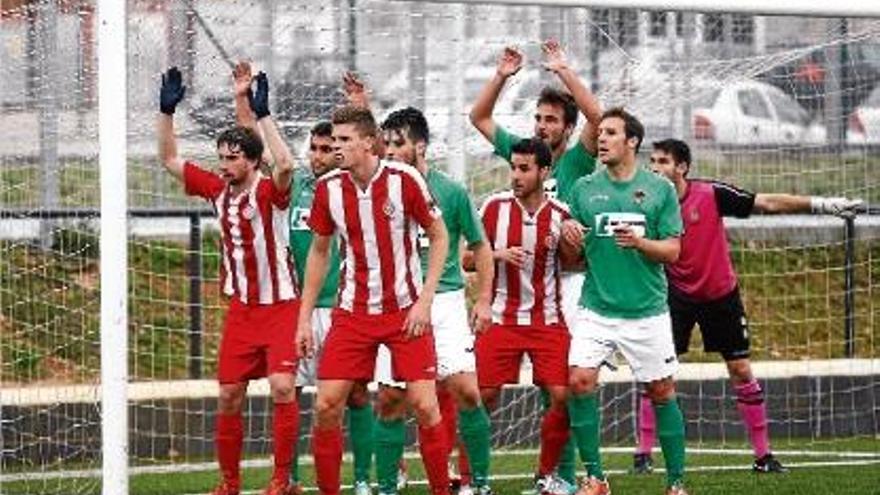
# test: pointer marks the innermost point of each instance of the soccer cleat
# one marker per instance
(465, 490)
(278, 487)
(676, 489)
(768, 464)
(552, 484)
(225, 488)
(454, 479)
(642, 464)
(484, 490)
(296, 489)
(402, 479)
(362, 488)
(594, 486)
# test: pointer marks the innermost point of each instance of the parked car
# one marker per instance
(752, 113)
(864, 122)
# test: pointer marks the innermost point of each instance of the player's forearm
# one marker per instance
(317, 263)
(570, 256)
(485, 267)
(481, 112)
(584, 98)
(168, 145)
(244, 116)
(438, 248)
(781, 203)
(660, 251)
(283, 158)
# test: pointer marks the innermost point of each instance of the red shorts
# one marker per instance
(500, 351)
(350, 348)
(258, 341)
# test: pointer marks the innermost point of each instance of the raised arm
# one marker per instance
(170, 94)
(242, 77)
(583, 97)
(357, 94)
(510, 63)
(259, 102)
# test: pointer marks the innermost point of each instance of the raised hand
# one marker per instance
(259, 99)
(355, 90)
(241, 76)
(554, 56)
(172, 91)
(510, 62)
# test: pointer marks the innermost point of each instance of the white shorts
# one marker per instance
(307, 373)
(646, 343)
(571, 284)
(453, 340)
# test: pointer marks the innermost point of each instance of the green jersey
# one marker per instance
(575, 163)
(461, 220)
(621, 282)
(301, 236)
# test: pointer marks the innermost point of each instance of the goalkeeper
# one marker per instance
(703, 288)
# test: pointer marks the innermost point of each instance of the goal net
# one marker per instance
(771, 104)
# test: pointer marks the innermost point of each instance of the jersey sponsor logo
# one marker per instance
(607, 223)
(299, 219)
(599, 197)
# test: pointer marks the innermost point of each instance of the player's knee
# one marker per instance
(359, 396)
(391, 403)
(425, 409)
(490, 396)
(469, 399)
(558, 397)
(661, 390)
(231, 398)
(581, 381)
(328, 411)
(283, 389)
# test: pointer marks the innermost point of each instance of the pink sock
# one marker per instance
(750, 402)
(647, 426)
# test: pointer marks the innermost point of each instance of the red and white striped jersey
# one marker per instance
(257, 267)
(529, 295)
(378, 229)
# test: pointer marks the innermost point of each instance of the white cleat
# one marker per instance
(362, 488)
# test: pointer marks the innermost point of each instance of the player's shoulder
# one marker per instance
(559, 205)
(498, 198)
(655, 179)
(402, 169)
(334, 175)
(590, 179)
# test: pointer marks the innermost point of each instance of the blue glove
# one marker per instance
(172, 91)
(259, 99)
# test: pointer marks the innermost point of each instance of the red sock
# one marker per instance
(647, 425)
(449, 416)
(435, 457)
(229, 438)
(285, 426)
(554, 435)
(327, 449)
(464, 464)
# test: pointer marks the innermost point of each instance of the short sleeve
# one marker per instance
(471, 225)
(418, 201)
(199, 182)
(669, 223)
(732, 201)
(279, 199)
(320, 219)
(504, 142)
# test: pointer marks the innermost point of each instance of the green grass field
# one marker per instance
(709, 474)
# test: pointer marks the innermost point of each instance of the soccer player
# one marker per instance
(556, 116)
(627, 224)
(406, 137)
(703, 288)
(376, 207)
(256, 274)
(321, 161)
(524, 225)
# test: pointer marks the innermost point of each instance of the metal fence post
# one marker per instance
(194, 271)
(849, 322)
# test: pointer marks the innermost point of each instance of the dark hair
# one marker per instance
(409, 119)
(322, 129)
(245, 139)
(534, 146)
(679, 150)
(632, 128)
(559, 98)
(361, 118)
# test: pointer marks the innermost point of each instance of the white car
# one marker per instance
(751, 113)
(864, 121)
